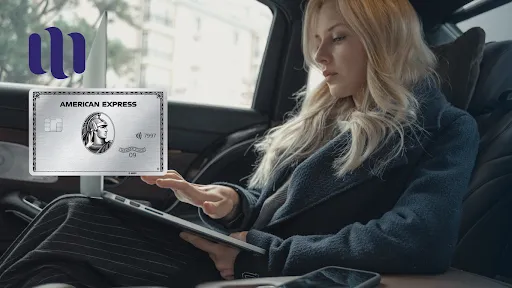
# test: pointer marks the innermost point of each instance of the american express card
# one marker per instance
(98, 132)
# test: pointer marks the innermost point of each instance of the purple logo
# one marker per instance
(56, 53)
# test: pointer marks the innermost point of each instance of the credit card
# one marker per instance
(97, 132)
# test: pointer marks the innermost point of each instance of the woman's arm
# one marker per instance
(418, 235)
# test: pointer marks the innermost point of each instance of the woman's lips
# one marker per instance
(330, 76)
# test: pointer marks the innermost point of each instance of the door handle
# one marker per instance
(21, 205)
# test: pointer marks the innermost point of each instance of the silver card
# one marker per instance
(100, 132)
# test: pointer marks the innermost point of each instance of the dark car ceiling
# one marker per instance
(432, 12)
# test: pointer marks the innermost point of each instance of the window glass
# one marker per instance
(497, 23)
(159, 41)
(160, 11)
(315, 77)
(206, 51)
(156, 77)
(157, 46)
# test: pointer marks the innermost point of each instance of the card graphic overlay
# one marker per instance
(77, 132)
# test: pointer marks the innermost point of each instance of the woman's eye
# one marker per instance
(337, 39)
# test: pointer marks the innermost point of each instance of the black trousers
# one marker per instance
(85, 243)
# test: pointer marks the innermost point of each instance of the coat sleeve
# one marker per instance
(418, 235)
(248, 200)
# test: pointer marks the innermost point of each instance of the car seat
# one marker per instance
(485, 239)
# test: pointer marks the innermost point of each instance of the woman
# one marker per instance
(369, 174)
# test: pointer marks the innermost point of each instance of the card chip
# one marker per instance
(53, 125)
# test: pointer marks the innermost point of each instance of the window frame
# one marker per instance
(475, 8)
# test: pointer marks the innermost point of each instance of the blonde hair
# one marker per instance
(398, 58)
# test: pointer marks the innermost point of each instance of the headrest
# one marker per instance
(495, 77)
(459, 66)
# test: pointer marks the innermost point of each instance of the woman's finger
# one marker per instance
(222, 265)
(215, 209)
(175, 184)
(183, 189)
(200, 194)
(151, 180)
(170, 174)
(240, 235)
(210, 208)
(196, 196)
(227, 274)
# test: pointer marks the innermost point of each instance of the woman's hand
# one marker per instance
(217, 201)
(223, 256)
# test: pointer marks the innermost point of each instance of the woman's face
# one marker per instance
(340, 53)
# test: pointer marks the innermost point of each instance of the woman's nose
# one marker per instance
(321, 57)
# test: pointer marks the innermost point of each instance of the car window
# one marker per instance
(315, 77)
(497, 23)
(200, 51)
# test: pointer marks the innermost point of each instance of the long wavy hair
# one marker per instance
(398, 59)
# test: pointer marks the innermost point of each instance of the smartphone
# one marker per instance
(333, 276)
(327, 277)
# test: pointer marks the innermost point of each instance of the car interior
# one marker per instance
(211, 143)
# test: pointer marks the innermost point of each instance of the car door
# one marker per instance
(224, 71)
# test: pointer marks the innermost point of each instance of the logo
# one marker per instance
(132, 148)
(56, 53)
(95, 133)
(249, 275)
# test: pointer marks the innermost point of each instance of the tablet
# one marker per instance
(188, 226)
